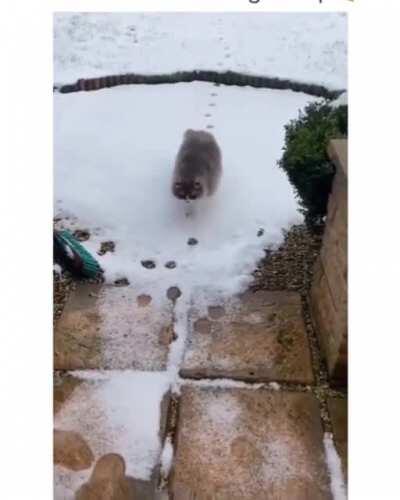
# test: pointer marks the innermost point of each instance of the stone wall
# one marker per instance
(328, 296)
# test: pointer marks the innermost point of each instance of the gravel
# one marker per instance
(290, 267)
(62, 286)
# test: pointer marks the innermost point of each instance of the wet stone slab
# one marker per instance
(114, 328)
(338, 413)
(249, 445)
(103, 413)
(259, 337)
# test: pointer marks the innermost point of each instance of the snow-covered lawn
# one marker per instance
(302, 46)
(114, 156)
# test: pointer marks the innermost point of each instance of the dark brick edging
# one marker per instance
(226, 78)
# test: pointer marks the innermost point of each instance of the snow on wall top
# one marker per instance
(306, 47)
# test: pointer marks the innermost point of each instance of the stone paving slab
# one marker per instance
(338, 413)
(63, 389)
(260, 337)
(242, 444)
(101, 413)
(114, 328)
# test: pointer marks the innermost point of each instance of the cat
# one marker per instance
(198, 166)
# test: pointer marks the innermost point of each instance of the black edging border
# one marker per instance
(226, 78)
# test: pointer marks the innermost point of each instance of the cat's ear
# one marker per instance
(189, 132)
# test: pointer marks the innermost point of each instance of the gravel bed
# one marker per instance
(290, 267)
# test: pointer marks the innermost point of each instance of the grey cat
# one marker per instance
(198, 166)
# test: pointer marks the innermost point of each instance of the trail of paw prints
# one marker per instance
(222, 41)
(209, 114)
(225, 55)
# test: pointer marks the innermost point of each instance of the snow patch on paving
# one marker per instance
(282, 462)
(220, 413)
(220, 383)
(133, 333)
(115, 412)
(274, 386)
(67, 482)
(267, 453)
(223, 410)
(167, 457)
(177, 347)
(338, 487)
(307, 47)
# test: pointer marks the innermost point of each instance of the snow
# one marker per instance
(220, 383)
(116, 412)
(274, 386)
(167, 457)
(223, 410)
(333, 462)
(307, 47)
(113, 174)
(67, 483)
(224, 383)
(236, 435)
(131, 333)
(340, 101)
(57, 269)
(283, 461)
(114, 152)
(177, 347)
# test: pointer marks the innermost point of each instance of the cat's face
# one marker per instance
(187, 190)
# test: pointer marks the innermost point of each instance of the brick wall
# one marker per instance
(328, 296)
